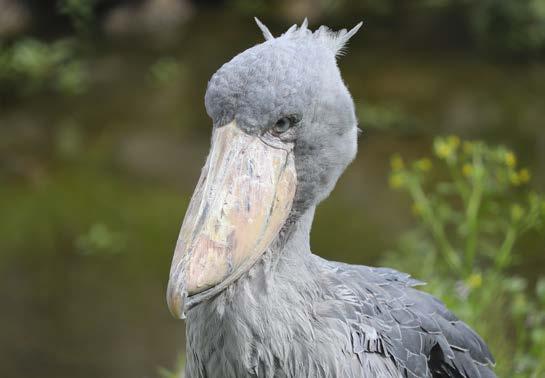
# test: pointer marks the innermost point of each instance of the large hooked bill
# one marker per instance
(242, 200)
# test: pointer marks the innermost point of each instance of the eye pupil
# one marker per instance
(282, 125)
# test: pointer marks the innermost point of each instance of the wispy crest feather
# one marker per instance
(336, 41)
(265, 30)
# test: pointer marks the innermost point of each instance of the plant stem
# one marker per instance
(458, 181)
(472, 211)
(435, 226)
(504, 256)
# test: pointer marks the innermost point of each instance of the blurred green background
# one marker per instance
(103, 133)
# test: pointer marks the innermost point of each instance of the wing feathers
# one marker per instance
(390, 317)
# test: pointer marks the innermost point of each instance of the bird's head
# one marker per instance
(284, 131)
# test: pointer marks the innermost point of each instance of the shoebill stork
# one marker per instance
(257, 302)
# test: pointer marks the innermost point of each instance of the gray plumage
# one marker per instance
(294, 314)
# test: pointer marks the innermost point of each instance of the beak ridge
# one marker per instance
(242, 200)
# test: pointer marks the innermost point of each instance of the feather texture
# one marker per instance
(297, 315)
(335, 41)
(294, 314)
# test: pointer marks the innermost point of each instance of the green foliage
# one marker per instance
(165, 70)
(472, 207)
(514, 26)
(506, 27)
(80, 13)
(100, 239)
(29, 66)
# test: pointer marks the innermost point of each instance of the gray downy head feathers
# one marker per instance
(293, 75)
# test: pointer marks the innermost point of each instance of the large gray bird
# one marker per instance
(258, 302)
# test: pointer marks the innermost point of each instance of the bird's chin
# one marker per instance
(242, 200)
(185, 304)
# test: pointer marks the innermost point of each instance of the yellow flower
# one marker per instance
(475, 281)
(517, 212)
(524, 175)
(423, 165)
(442, 149)
(514, 178)
(453, 141)
(467, 170)
(510, 159)
(396, 162)
(396, 181)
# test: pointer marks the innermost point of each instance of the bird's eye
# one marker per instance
(284, 124)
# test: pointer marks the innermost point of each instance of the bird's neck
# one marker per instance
(287, 262)
(295, 239)
(279, 288)
(290, 250)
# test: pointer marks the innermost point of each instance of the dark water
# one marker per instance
(94, 187)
